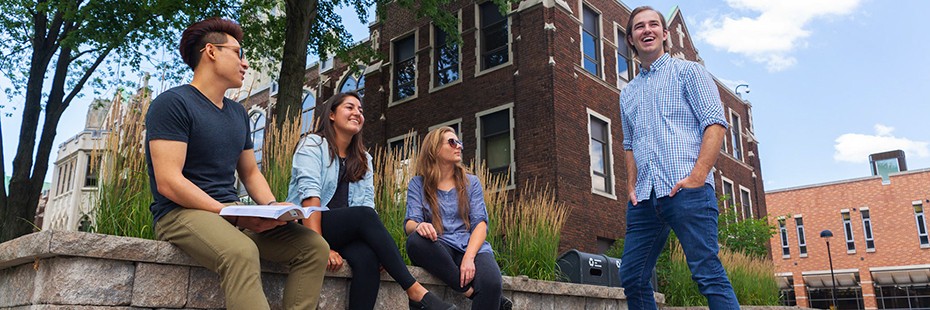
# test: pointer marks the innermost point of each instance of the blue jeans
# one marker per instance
(692, 214)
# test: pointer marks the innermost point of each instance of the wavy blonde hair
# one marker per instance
(428, 167)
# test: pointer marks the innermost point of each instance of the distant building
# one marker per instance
(880, 247)
(533, 93)
(76, 174)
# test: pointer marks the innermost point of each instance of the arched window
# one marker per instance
(257, 127)
(306, 112)
(355, 82)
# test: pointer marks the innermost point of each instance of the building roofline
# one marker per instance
(846, 181)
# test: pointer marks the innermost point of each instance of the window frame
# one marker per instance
(802, 235)
(736, 136)
(312, 110)
(392, 100)
(729, 204)
(743, 204)
(434, 70)
(921, 218)
(867, 232)
(93, 165)
(608, 156)
(598, 40)
(848, 234)
(511, 184)
(620, 34)
(783, 234)
(401, 138)
(457, 122)
(479, 39)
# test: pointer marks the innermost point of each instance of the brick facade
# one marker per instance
(550, 96)
(897, 259)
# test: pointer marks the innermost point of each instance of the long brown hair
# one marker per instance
(428, 168)
(356, 160)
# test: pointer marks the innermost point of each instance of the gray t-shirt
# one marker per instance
(215, 139)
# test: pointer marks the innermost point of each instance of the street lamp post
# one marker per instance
(826, 234)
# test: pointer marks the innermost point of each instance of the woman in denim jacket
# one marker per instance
(331, 169)
(447, 223)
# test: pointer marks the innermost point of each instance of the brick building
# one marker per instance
(533, 93)
(880, 250)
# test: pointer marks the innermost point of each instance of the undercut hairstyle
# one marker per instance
(212, 30)
(629, 27)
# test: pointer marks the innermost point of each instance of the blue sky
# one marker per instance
(831, 81)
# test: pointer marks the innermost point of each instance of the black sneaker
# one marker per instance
(506, 303)
(431, 302)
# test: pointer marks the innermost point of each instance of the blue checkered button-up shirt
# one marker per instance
(664, 111)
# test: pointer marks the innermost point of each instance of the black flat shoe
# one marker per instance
(506, 303)
(431, 302)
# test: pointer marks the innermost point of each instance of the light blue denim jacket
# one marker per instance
(314, 174)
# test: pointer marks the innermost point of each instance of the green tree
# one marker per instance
(80, 36)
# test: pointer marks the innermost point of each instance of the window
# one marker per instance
(495, 142)
(867, 230)
(93, 171)
(405, 68)
(355, 82)
(884, 167)
(456, 125)
(802, 238)
(327, 63)
(783, 231)
(403, 145)
(746, 202)
(495, 38)
(446, 58)
(601, 158)
(921, 225)
(306, 112)
(735, 136)
(257, 125)
(590, 41)
(624, 61)
(727, 193)
(847, 226)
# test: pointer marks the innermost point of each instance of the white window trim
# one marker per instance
(870, 231)
(801, 242)
(923, 213)
(743, 203)
(313, 92)
(851, 233)
(432, 64)
(739, 135)
(600, 38)
(610, 165)
(513, 163)
(478, 71)
(783, 225)
(617, 29)
(723, 185)
(416, 61)
(329, 58)
(457, 121)
(412, 134)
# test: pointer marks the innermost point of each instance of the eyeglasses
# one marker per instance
(455, 143)
(241, 50)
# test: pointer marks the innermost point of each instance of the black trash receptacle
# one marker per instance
(613, 271)
(585, 268)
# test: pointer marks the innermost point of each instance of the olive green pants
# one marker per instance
(234, 255)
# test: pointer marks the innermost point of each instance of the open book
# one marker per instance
(280, 212)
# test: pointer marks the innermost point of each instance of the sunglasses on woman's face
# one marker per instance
(455, 143)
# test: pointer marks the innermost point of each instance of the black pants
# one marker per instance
(359, 236)
(444, 262)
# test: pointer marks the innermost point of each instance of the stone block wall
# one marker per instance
(84, 271)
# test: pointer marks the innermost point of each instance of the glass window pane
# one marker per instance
(590, 45)
(403, 49)
(349, 85)
(599, 183)
(495, 123)
(597, 157)
(590, 21)
(490, 13)
(498, 151)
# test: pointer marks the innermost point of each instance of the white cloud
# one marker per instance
(777, 30)
(855, 148)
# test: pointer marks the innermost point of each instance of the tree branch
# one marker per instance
(80, 84)
(78, 55)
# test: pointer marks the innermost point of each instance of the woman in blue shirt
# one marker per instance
(446, 204)
(331, 169)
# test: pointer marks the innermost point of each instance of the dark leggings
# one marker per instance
(443, 262)
(359, 236)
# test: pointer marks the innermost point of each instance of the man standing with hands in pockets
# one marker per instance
(673, 126)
